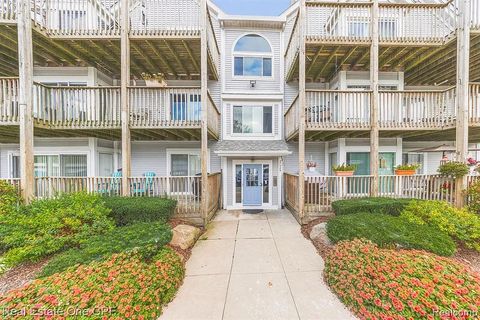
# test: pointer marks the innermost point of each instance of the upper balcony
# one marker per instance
(156, 113)
(330, 112)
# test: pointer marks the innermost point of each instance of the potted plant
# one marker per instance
(406, 169)
(154, 79)
(454, 169)
(344, 170)
(311, 165)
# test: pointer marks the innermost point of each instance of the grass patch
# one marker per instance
(128, 210)
(383, 205)
(145, 238)
(386, 231)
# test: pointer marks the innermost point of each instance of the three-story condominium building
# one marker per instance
(176, 98)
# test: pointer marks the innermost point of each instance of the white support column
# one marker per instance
(374, 135)
(124, 82)
(25, 71)
(301, 99)
(463, 59)
(204, 98)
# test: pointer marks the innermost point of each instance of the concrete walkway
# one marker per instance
(254, 267)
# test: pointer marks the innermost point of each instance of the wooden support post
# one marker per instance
(301, 116)
(204, 98)
(463, 57)
(25, 71)
(124, 82)
(374, 136)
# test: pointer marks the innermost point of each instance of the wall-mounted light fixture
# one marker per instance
(253, 83)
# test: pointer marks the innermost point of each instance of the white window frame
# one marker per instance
(250, 135)
(251, 54)
(189, 151)
(423, 165)
(239, 205)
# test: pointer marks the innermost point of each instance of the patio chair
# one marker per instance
(112, 187)
(139, 189)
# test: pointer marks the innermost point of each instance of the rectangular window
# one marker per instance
(238, 183)
(253, 66)
(63, 165)
(266, 183)
(252, 119)
(105, 164)
(414, 158)
(183, 165)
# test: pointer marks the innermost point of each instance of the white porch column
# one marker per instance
(374, 135)
(204, 98)
(25, 71)
(124, 82)
(301, 99)
(463, 59)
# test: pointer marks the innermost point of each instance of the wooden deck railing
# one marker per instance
(293, 46)
(165, 17)
(321, 191)
(9, 112)
(474, 103)
(338, 21)
(213, 116)
(77, 18)
(212, 44)
(292, 118)
(165, 107)
(417, 109)
(475, 14)
(291, 191)
(414, 22)
(8, 11)
(47, 187)
(77, 107)
(338, 109)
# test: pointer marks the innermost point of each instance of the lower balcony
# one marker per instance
(186, 190)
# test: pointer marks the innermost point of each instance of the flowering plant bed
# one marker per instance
(380, 283)
(122, 287)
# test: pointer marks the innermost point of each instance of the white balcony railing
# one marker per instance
(165, 107)
(417, 109)
(9, 112)
(8, 10)
(338, 109)
(77, 106)
(474, 103)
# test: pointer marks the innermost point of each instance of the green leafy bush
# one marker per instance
(455, 169)
(473, 196)
(52, 225)
(386, 230)
(128, 210)
(378, 283)
(145, 238)
(123, 287)
(9, 197)
(459, 223)
(389, 206)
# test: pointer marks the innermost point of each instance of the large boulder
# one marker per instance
(319, 232)
(184, 236)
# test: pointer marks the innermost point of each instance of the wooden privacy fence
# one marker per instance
(321, 191)
(77, 106)
(214, 193)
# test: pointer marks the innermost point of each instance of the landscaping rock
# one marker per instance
(184, 236)
(319, 232)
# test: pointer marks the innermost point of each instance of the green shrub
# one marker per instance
(386, 230)
(459, 223)
(52, 225)
(378, 283)
(473, 196)
(383, 205)
(145, 238)
(128, 210)
(9, 197)
(123, 287)
(455, 169)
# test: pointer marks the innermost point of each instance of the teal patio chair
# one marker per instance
(112, 187)
(142, 189)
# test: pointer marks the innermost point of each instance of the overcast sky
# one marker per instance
(253, 7)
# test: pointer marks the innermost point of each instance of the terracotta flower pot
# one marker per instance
(344, 173)
(404, 172)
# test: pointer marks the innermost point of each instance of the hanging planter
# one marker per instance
(312, 166)
(344, 170)
(154, 80)
(406, 169)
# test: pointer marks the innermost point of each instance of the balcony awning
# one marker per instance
(248, 148)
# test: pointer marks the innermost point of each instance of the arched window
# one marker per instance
(252, 56)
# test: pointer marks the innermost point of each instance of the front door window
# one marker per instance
(252, 184)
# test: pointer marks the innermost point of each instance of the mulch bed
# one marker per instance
(20, 276)
(322, 248)
(468, 256)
